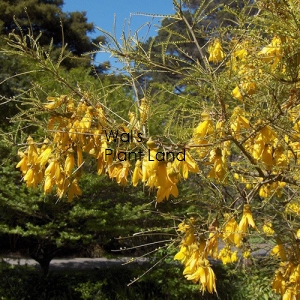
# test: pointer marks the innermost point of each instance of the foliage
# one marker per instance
(236, 127)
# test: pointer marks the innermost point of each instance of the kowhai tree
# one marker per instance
(238, 131)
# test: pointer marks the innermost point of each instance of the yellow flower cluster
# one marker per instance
(41, 165)
(204, 135)
(86, 129)
(194, 253)
(287, 277)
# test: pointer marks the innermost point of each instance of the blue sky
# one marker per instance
(102, 13)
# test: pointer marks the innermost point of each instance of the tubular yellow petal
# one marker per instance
(69, 164)
(44, 156)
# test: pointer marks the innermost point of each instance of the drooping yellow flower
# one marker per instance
(32, 151)
(69, 163)
(212, 244)
(170, 184)
(182, 255)
(236, 93)
(246, 221)
(74, 190)
(281, 158)
(79, 156)
(137, 173)
(29, 177)
(230, 229)
(48, 185)
(122, 176)
(204, 128)
(216, 53)
(185, 164)
(279, 284)
(202, 273)
(23, 163)
(86, 121)
(267, 156)
(44, 156)
(219, 169)
(50, 170)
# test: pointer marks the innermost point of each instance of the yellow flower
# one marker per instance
(48, 185)
(238, 122)
(230, 229)
(23, 163)
(272, 50)
(246, 254)
(246, 221)
(219, 169)
(69, 163)
(55, 102)
(216, 53)
(236, 93)
(248, 88)
(227, 256)
(202, 273)
(279, 251)
(182, 255)
(86, 121)
(204, 128)
(268, 229)
(29, 177)
(267, 156)
(137, 173)
(74, 190)
(186, 165)
(44, 156)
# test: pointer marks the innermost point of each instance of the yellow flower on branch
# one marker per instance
(279, 251)
(219, 169)
(247, 88)
(185, 165)
(230, 229)
(44, 156)
(227, 256)
(137, 173)
(74, 190)
(69, 163)
(271, 51)
(216, 53)
(203, 274)
(268, 229)
(246, 221)
(23, 163)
